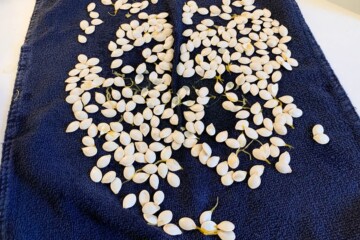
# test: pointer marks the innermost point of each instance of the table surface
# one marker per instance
(336, 29)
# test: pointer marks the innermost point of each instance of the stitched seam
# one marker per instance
(344, 103)
(12, 123)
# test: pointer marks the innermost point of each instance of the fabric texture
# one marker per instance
(46, 192)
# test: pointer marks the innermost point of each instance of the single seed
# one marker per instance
(84, 24)
(129, 201)
(96, 22)
(227, 179)
(103, 161)
(172, 229)
(222, 136)
(173, 180)
(213, 161)
(116, 186)
(232, 143)
(89, 151)
(226, 226)
(150, 208)
(210, 129)
(127, 69)
(91, 7)
(257, 170)
(159, 197)
(164, 217)
(140, 177)
(318, 129)
(151, 219)
(226, 235)
(187, 224)
(144, 197)
(222, 168)
(108, 177)
(239, 176)
(73, 126)
(89, 30)
(233, 161)
(322, 139)
(82, 39)
(95, 175)
(277, 142)
(254, 181)
(173, 165)
(283, 168)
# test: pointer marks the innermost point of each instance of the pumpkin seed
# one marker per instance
(254, 181)
(173, 179)
(322, 139)
(129, 201)
(108, 177)
(172, 229)
(164, 217)
(226, 226)
(116, 185)
(187, 224)
(95, 174)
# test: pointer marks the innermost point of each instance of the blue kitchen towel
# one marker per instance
(46, 192)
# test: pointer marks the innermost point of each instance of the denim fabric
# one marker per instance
(46, 192)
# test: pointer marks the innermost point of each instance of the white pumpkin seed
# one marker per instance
(95, 175)
(222, 168)
(222, 136)
(254, 181)
(140, 177)
(164, 217)
(82, 39)
(317, 129)
(187, 224)
(257, 170)
(173, 179)
(73, 126)
(150, 208)
(239, 176)
(144, 197)
(172, 229)
(154, 181)
(129, 201)
(116, 186)
(89, 151)
(226, 226)
(150, 219)
(103, 161)
(283, 168)
(108, 177)
(322, 139)
(233, 161)
(226, 235)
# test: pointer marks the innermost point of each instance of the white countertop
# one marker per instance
(336, 29)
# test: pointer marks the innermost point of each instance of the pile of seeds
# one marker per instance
(242, 46)
(136, 120)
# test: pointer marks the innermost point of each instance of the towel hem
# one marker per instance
(12, 122)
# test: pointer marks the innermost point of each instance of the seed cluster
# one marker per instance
(134, 119)
(89, 28)
(224, 230)
(319, 135)
(251, 45)
(124, 5)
